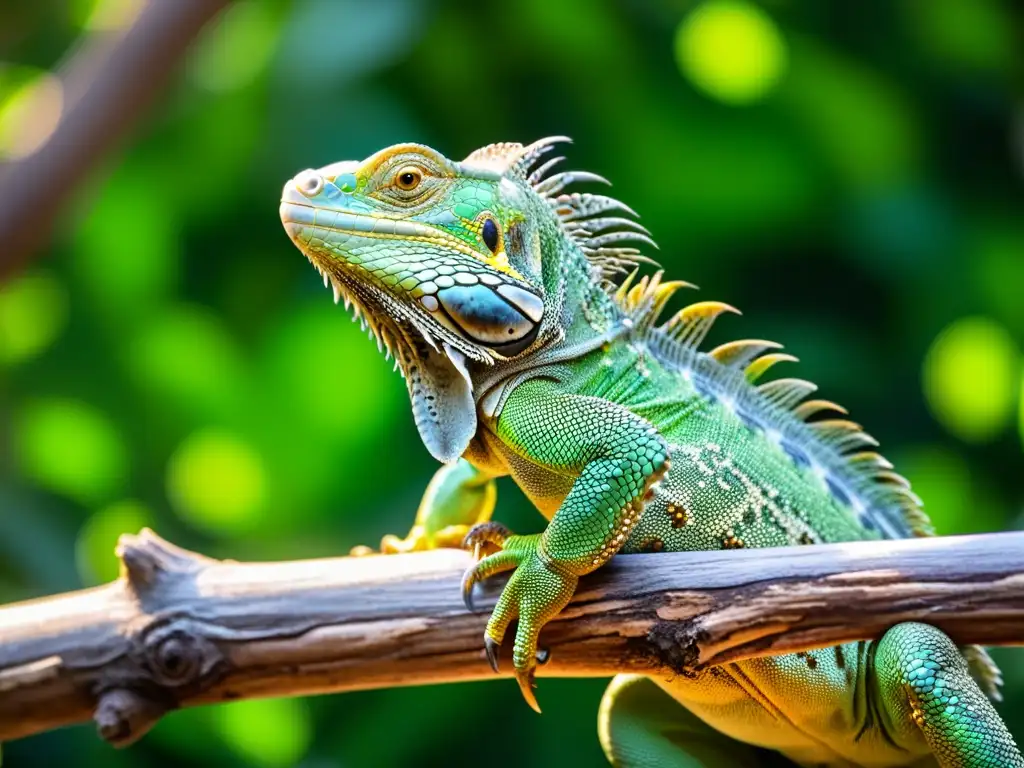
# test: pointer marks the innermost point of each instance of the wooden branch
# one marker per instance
(179, 629)
(108, 84)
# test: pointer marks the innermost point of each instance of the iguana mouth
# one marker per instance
(483, 316)
(396, 323)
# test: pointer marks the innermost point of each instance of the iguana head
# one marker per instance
(452, 265)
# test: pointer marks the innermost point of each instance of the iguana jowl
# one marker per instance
(492, 286)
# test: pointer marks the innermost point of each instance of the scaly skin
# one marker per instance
(492, 288)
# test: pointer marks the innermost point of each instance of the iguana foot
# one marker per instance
(417, 540)
(537, 592)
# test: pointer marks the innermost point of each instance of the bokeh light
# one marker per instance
(29, 114)
(943, 479)
(236, 47)
(971, 376)
(1021, 410)
(104, 15)
(216, 481)
(978, 35)
(212, 383)
(97, 538)
(731, 50)
(71, 448)
(267, 733)
(126, 249)
(33, 312)
(855, 117)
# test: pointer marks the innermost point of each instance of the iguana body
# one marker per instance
(492, 288)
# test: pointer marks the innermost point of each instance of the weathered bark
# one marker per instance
(180, 629)
(108, 84)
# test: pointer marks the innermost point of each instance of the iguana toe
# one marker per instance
(535, 593)
(483, 534)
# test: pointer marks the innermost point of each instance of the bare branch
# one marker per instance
(179, 629)
(108, 84)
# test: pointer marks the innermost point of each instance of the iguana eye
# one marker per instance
(489, 232)
(408, 178)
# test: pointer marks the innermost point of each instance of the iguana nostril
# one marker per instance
(309, 183)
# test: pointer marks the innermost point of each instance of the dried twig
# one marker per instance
(108, 84)
(180, 629)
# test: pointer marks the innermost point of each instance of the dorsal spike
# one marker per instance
(888, 476)
(552, 185)
(737, 354)
(658, 295)
(870, 459)
(760, 366)
(785, 393)
(542, 170)
(580, 205)
(635, 295)
(598, 242)
(843, 435)
(622, 291)
(691, 324)
(836, 427)
(533, 152)
(804, 411)
(594, 226)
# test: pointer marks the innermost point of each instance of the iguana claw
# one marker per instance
(536, 592)
(469, 579)
(492, 646)
(526, 685)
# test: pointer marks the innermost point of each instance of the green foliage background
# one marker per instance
(849, 174)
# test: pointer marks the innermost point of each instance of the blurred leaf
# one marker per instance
(104, 15)
(30, 109)
(971, 376)
(217, 482)
(187, 358)
(955, 501)
(731, 50)
(316, 50)
(329, 376)
(97, 539)
(976, 35)
(997, 255)
(274, 733)
(71, 448)
(126, 247)
(33, 312)
(236, 47)
(1021, 409)
(861, 122)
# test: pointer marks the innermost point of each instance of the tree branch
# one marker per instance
(108, 84)
(179, 629)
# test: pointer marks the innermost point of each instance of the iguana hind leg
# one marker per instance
(641, 726)
(925, 686)
(458, 497)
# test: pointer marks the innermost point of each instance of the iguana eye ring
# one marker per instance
(408, 178)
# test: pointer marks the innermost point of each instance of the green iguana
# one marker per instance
(493, 288)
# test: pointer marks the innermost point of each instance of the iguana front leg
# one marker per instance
(458, 497)
(615, 457)
(925, 686)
